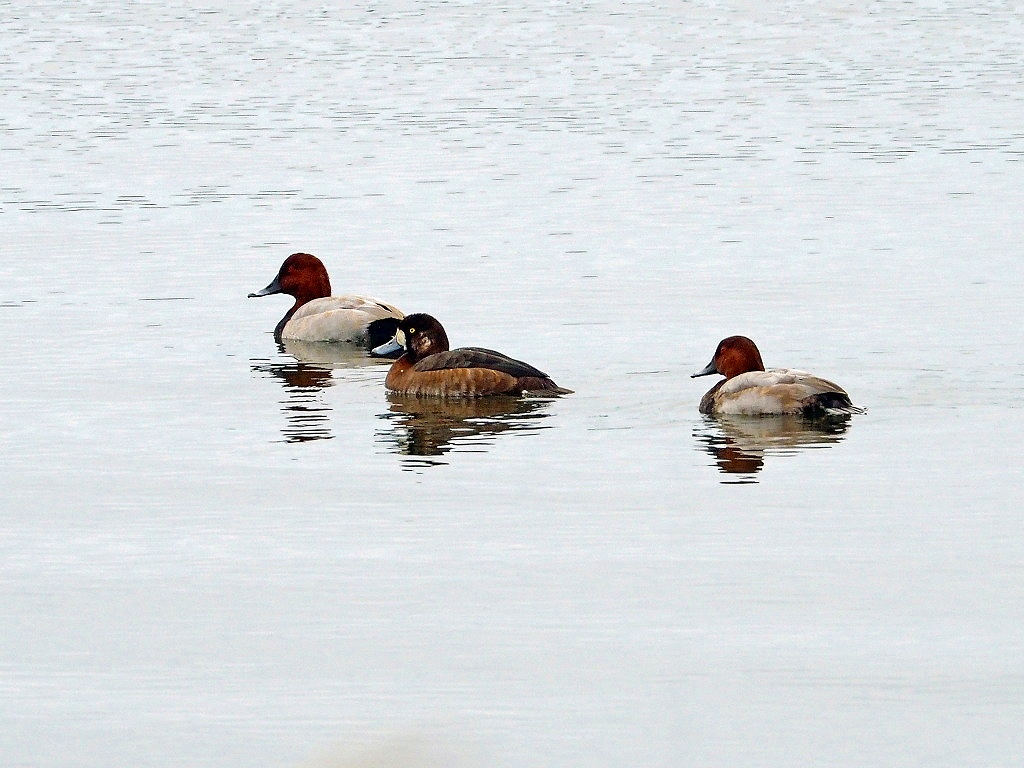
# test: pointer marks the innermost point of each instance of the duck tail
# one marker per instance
(536, 386)
(831, 404)
(845, 410)
(559, 391)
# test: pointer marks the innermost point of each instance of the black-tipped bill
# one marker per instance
(387, 349)
(707, 370)
(274, 287)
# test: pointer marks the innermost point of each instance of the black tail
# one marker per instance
(830, 404)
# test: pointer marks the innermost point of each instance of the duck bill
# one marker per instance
(707, 370)
(274, 287)
(387, 349)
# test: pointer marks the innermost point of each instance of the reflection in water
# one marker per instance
(426, 428)
(333, 353)
(306, 416)
(740, 444)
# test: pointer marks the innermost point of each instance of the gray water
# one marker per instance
(216, 552)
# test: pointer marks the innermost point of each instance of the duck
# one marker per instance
(319, 316)
(428, 367)
(750, 390)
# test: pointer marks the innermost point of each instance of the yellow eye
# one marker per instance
(412, 330)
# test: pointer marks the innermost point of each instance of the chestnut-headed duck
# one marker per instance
(319, 316)
(429, 368)
(750, 390)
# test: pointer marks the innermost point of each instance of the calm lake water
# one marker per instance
(216, 552)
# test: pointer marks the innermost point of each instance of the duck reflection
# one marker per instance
(426, 428)
(307, 417)
(330, 353)
(740, 444)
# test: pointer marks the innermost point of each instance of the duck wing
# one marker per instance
(358, 305)
(782, 390)
(780, 377)
(341, 318)
(478, 357)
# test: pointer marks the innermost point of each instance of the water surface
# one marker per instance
(219, 552)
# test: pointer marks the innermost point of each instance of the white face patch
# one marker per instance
(400, 338)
